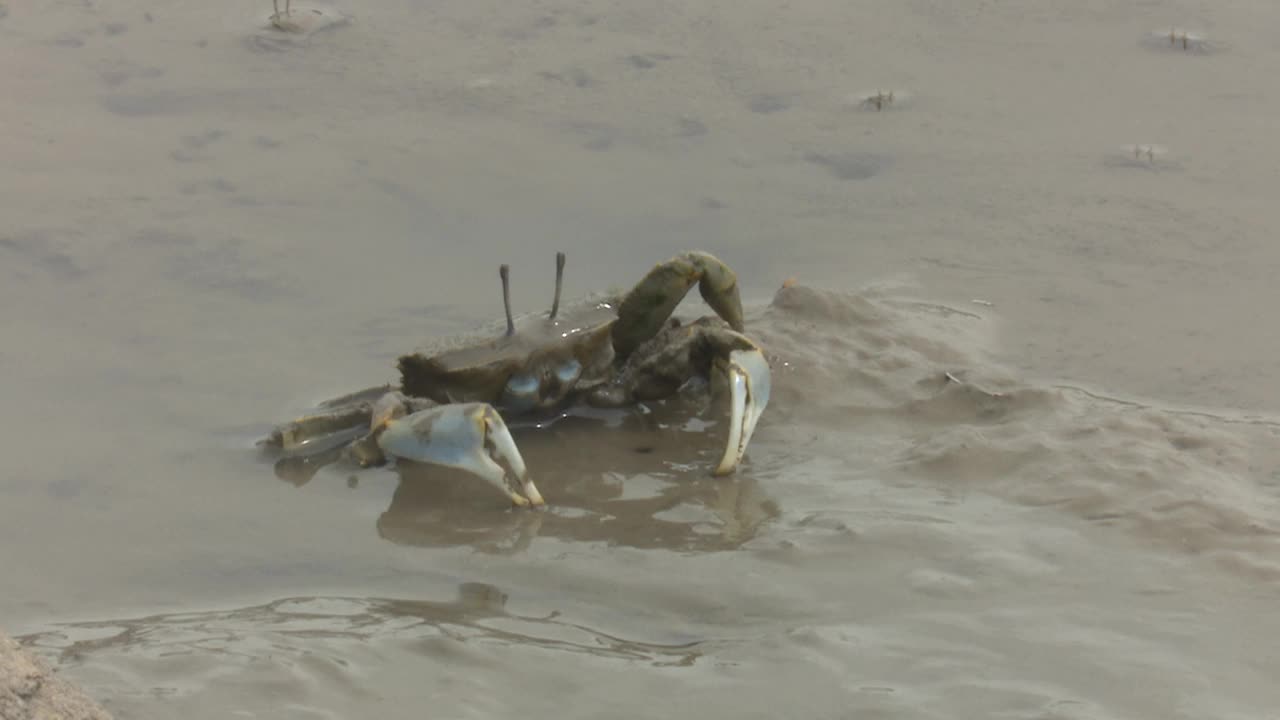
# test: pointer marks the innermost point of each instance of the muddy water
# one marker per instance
(1021, 455)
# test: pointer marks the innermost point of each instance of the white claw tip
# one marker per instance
(750, 385)
(531, 492)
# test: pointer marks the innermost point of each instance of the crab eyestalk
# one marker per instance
(504, 272)
(749, 387)
(555, 302)
(468, 436)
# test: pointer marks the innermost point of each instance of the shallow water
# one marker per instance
(1021, 456)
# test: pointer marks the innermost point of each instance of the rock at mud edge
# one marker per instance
(30, 691)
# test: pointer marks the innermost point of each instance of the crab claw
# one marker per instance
(749, 385)
(467, 436)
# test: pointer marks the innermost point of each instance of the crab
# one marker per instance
(449, 407)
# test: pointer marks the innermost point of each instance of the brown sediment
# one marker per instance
(29, 689)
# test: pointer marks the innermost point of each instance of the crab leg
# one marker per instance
(368, 395)
(321, 431)
(749, 386)
(645, 310)
(353, 418)
(468, 436)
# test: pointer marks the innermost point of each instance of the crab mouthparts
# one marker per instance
(749, 385)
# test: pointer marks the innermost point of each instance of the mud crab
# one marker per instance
(448, 408)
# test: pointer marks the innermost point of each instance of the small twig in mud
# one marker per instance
(879, 101)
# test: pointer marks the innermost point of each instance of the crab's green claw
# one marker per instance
(467, 436)
(749, 385)
(645, 310)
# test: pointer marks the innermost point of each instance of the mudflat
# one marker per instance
(1020, 458)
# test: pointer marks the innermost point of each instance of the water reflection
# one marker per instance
(477, 614)
(638, 478)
